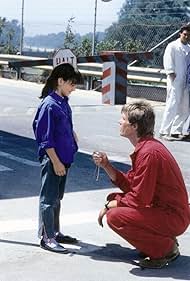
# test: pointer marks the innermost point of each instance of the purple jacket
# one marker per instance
(53, 128)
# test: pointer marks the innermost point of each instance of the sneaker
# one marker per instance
(53, 246)
(160, 263)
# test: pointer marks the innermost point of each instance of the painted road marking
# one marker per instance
(4, 168)
(19, 159)
(115, 158)
(31, 224)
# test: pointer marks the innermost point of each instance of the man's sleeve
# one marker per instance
(169, 60)
(123, 180)
(143, 184)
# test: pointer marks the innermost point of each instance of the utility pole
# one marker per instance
(22, 29)
(94, 31)
(94, 27)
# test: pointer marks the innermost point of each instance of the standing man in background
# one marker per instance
(177, 107)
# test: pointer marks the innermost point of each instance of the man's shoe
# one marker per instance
(172, 137)
(186, 138)
(53, 246)
(163, 135)
(144, 255)
(160, 263)
(65, 239)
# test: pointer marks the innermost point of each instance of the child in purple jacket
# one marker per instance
(53, 129)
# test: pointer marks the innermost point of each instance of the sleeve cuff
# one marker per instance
(46, 145)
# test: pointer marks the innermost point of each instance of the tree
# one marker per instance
(85, 47)
(9, 46)
(9, 36)
(142, 24)
(2, 25)
(105, 45)
(148, 11)
(69, 40)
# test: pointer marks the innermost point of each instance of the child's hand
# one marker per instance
(59, 168)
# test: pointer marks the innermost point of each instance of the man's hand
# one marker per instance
(109, 205)
(101, 215)
(172, 76)
(100, 159)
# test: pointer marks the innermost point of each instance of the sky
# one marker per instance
(50, 16)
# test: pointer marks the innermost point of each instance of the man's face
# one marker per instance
(185, 37)
(127, 130)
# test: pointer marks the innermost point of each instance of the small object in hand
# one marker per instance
(97, 172)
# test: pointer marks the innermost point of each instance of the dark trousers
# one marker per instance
(51, 193)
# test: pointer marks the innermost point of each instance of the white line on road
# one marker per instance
(112, 157)
(4, 168)
(31, 224)
(19, 159)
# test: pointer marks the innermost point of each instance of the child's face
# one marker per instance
(65, 88)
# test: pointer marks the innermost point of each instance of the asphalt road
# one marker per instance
(101, 255)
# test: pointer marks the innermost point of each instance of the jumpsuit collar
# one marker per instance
(139, 145)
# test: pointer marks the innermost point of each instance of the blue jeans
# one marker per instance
(51, 193)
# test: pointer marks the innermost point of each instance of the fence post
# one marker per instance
(18, 73)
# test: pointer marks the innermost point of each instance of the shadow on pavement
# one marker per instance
(18, 243)
(178, 269)
(111, 252)
(19, 179)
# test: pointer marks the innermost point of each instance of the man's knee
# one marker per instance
(115, 217)
(122, 216)
(111, 217)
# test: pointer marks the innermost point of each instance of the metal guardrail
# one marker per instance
(135, 74)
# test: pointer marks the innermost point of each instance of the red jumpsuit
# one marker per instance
(153, 207)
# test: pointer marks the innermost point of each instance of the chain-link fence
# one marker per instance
(124, 37)
(140, 37)
(136, 38)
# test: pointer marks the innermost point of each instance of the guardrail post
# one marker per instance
(18, 73)
(88, 83)
(118, 94)
(114, 82)
(120, 82)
